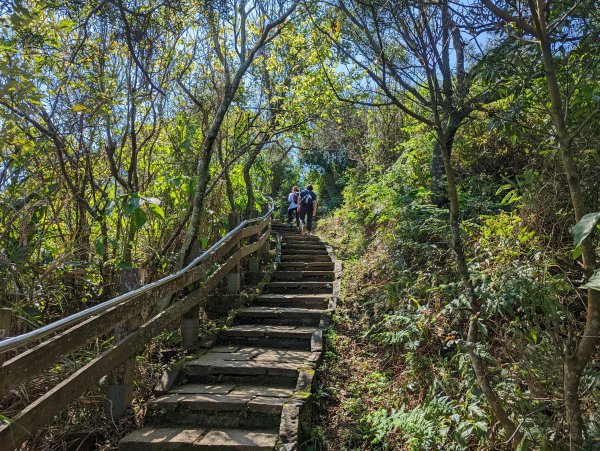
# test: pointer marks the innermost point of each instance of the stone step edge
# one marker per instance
(280, 312)
(199, 438)
(175, 374)
(297, 415)
(217, 403)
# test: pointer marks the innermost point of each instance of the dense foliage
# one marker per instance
(453, 146)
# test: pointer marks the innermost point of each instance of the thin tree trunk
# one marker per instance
(228, 184)
(514, 436)
(578, 356)
(231, 87)
(576, 359)
(248, 180)
(439, 195)
(129, 240)
(191, 235)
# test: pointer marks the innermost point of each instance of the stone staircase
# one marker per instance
(252, 390)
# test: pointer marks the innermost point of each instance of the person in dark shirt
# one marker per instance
(307, 208)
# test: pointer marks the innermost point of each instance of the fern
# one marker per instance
(424, 427)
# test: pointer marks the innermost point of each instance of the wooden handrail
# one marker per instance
(206, 271)
(216, 249)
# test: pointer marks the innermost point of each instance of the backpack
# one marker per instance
(307, 199)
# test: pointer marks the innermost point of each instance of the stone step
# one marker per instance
(303, 245)
(281, 316)
(273, 336)
(308, 301)
(304, 258)
(299, 287)
(310, 276)
(180, 438)
(286, 231)
(300, 251)
(227, 405)
(249, 365)
(306, 266)
(296, 237)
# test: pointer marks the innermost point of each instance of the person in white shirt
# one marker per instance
(292, 209)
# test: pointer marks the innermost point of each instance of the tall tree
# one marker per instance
(238, 31)
(415, 55)
(547, 26)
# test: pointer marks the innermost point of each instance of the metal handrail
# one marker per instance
(48, 329)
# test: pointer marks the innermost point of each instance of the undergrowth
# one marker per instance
(397, 375)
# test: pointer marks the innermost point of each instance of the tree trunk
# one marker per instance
(248, 181)
(576, 359)
(203, 169)
(439, 196)
(228, 184)
(128, 245)
(514, 436)
(191, 235)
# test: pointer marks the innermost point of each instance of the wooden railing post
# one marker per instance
(233, 278)
(6, 315)
(264, 250)
(119, 393)
(254, 259)
(190, 323)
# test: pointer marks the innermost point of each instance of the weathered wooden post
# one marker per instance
(264, 250)
(119, 393)
(254, 258)
(233, 278)
(6, 316)
(190, 323)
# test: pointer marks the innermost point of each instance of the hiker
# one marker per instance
(307, 208)
(293, 208)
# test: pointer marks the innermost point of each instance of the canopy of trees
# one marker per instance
(456, 143)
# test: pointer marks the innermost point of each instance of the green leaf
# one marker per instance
(99, 245)
(66, 25)
(584, 227)
(203, 242)
(156, 210)
(139, 218)
(132, 204)
(481, 425)
(594, 281)
(52, 188)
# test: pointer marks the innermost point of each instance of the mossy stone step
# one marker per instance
(296, 237)
(285, 257)
(166, 439)
(305, 266)
(255, 383)
(303, 245)
(243, 360)
(242, 407)
(308, 301)
(314, 276)
(303, 251)
(266, 335)
(299, 287)
(280, 316)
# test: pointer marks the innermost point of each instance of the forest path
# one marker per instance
(252, 390)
